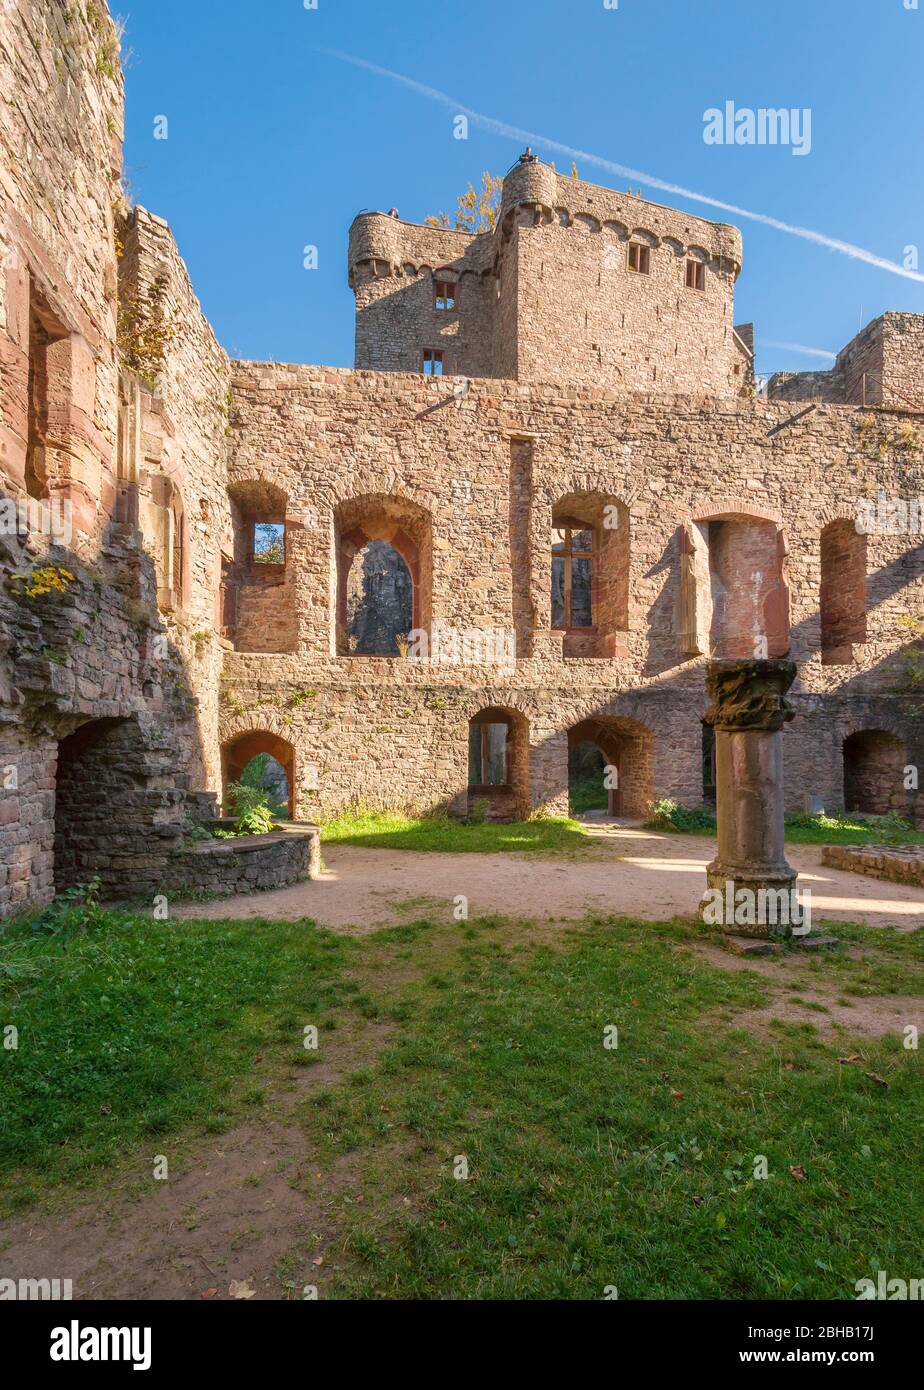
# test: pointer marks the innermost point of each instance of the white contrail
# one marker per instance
(846, 248)
(799, 347)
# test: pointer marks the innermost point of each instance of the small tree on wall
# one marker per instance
(476, 209)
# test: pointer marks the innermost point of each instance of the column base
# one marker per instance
(755, 902)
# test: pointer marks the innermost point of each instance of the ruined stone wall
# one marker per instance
(487, 471)
(175, 427)
(83, 644)
(882, 366)
(903, 361)
(60, 149)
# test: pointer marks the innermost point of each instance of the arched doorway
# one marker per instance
(238, 755)
(111, 807)
(625, 766)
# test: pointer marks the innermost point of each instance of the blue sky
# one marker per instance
(273, 144)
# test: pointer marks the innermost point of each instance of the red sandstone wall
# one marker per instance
(488, 472)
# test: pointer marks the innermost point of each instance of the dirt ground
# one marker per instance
(635, 873)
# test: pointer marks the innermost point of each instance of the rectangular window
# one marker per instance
(269, 543)
(696, 275)
(432, 362)
(639, 258)
(444, 294)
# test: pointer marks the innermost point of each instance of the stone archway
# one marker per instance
(116, 817)
(237, 752)
(627, 747)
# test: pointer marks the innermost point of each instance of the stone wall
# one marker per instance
(882, 366)
(488, 472)
(60, 151)
(109, 660)
(175, 427)
(899, 865)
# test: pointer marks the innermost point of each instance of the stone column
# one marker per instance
(747, 711)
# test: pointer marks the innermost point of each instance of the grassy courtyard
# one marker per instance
(551, 835)
(480, 1044)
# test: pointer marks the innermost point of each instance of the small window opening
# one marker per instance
(487, 754)
(639, 258)
(696, 275)
(444, 294)
(269, 543)
(432, 362)
(572, 577)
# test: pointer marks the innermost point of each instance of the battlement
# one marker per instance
(576, 284)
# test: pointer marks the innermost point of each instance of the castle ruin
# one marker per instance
(545, 496)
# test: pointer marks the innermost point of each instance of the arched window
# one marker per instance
(384, 566)
(257, 602)
(733, 594)
(488, 752)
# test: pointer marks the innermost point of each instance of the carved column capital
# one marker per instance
(749, 694)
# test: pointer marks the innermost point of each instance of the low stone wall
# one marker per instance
(247, 863)
(901, 864)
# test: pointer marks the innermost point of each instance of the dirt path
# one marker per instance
(636, 873)
(235, 1208)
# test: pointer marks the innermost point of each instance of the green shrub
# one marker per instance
(672, 815)
(250, 808)
(76, 909)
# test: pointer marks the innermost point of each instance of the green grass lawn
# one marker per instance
(587, 1166)
(390, 830)
(134, 1028)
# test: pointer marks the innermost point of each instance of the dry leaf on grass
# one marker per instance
(241, 1288)
(798, 1173)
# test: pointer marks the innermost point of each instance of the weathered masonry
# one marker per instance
(503, 546)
